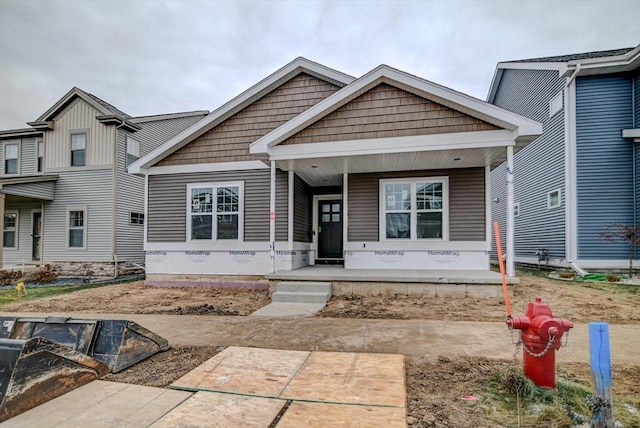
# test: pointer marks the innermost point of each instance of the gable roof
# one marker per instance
(582, 64)
(257, 91)
(384, 74)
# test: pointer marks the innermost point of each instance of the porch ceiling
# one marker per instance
(327, 171)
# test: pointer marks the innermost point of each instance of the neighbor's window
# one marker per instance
(414, 208)
(553, 199)
(77, 227)
(10, 229)
(11, 158)
(133, 150)
(516, 209)
(40, 148)
(136, 218)
(215, 211)
(78, 149)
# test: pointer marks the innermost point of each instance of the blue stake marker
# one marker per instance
(601, 369)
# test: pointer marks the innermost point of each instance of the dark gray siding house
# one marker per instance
(587, 155)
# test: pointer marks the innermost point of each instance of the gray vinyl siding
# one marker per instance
(21, 254)
(166, 220)
(604, 162)
(302, 201)
(28, 156)
(130, 188)
(636, 90)
(539, 168)
(90, 189)
(42, 190)
(466, 203)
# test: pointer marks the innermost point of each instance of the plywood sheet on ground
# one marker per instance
(340, 377)
(102, 404)
(251, 371)
(212, 409)
(320, 415)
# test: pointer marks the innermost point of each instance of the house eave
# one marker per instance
(169, 116)
(632, 133)
(44, 125)
(112, 119)
(28, 179)
(20, 133)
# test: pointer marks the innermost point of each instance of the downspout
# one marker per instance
(634, 166)
(570, 167)
(114, 202)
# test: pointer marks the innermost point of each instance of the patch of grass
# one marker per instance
(34, 293)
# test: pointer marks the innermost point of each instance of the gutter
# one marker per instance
(114, 200)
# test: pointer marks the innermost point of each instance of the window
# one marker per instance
(215, 211)
(133, 150)
(414, 208)
(10, 230)
(40, 148)
(11, 158)
(136, 218)
(555, 105)
(77, 218)
(553, 199)
(78, 149)
(516, 209)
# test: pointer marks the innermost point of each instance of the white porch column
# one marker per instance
(345, 208)
(511, 271)
(2, 220)
(272, 218)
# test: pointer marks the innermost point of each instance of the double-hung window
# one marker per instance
(10, 229)
(133, 150)
(78, 148)
(215, 211)
(40, 162)
(11, 153)
(414, 208)
(77, 227)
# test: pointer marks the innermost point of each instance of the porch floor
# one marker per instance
(339, 273)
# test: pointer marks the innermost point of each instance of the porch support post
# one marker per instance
(272, 219)
(2, 220)
(345, 212)
(290, 208)
(511, 271)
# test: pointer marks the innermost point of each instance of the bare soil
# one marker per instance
(442, 392)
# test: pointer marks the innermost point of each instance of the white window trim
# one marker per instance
(549, 206)
(413, 180)
(516, 209)
(15, 242)
(4, 157)
(555, 104)
(86, 147)
(139, 213)
(214, 224)
(44, 149)
(85, 218)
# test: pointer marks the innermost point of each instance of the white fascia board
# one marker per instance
(533, 65)
(421, 143)
(205, 167)
(441, 94)
(629, 61)
(631, 133)
(216, 116)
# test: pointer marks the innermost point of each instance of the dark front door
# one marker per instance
(35, 235)
(330, 230)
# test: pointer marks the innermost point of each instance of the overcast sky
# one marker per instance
(153, 57)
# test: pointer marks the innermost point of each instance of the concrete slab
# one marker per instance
(279, 309)
(320, 415)
(102, 404)
(212, 409)
(340, 377)
(250, 371)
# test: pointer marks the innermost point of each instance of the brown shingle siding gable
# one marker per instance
(386, 111)
(229, 141)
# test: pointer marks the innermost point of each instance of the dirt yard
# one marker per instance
(442, 392)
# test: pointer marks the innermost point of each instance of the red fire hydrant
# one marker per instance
(540, 338)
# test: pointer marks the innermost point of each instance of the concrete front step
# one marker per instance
(300, 297)
(304, 286)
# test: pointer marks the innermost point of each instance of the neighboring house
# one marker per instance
(387, 171)
(65, 195)
(583, 173)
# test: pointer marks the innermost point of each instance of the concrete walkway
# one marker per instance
(411, 337)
